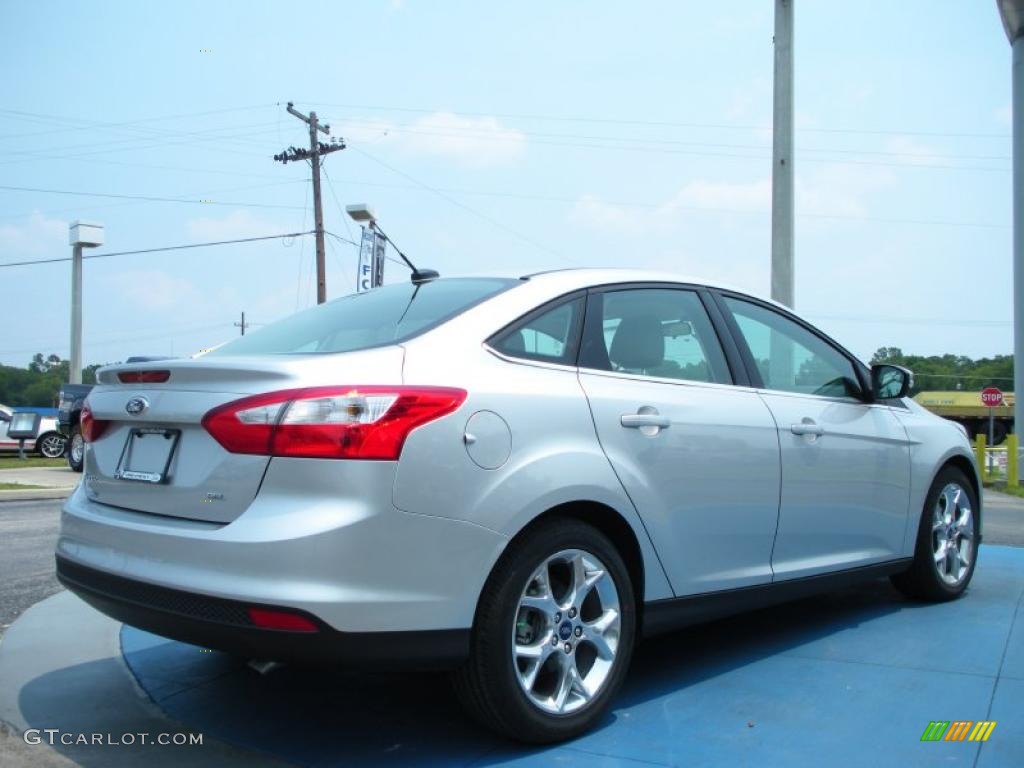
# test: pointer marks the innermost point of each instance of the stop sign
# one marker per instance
(991, 397)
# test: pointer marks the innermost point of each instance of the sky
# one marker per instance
(501, 138)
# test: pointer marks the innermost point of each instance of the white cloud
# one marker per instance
(744, 196)
(235, 225)
(38, 235)
(593, 213)
(1003, 115)
(828, 190)
(473, 141)
(840, 190)
(476, 142)
(154, 289)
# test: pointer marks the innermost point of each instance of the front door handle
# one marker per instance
(807, 427)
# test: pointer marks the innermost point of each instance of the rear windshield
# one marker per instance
(376, 318)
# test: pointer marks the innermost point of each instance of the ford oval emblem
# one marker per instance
(136, 405)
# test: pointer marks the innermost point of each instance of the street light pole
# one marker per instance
(782, 156)
(75, 370)
(81, 234)
(1012, 12)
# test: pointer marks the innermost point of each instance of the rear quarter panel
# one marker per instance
(554, 456)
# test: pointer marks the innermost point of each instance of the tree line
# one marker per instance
(951, 372)
(39, 383)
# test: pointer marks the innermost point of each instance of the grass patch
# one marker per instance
(19, 487)
(13, 462)
(1004, 488)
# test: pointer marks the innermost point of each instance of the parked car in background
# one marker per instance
(69, 410)
(49, 442)
(519, 478)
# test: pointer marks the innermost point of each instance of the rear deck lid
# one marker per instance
(152, 453)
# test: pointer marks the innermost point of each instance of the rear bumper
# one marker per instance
(321, 538)
(224, 625)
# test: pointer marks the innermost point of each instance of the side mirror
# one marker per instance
(890, 382)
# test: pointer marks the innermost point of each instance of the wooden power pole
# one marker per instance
(316, 149)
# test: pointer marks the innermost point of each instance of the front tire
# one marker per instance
(76, 449)
(553, 635)
(947, 541)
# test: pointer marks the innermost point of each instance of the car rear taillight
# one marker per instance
(90, 427)
(329, 422)
(143, 377)
(282, 620)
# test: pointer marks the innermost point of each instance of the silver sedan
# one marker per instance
(514, 478)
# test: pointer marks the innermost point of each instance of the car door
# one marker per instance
(845, 460)
(697, 454)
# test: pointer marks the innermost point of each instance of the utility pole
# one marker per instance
(241, 324)
(316, 149)
(782, 157)
(1012, 13)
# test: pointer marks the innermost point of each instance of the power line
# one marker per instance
(120, 340)
(463, 206)
(342, 239)
(530, 197)
(148, 198)
(511, 134)
(671, 123)
(155, 250)
(37, 117)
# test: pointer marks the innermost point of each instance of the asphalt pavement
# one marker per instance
(28, 532)
(1003, 522)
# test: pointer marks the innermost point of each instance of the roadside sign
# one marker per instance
(991, 397)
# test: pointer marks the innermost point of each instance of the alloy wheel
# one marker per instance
(52, 446)
(953, 534)
(566, 632)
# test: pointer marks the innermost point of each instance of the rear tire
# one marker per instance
(947, 541)
(553, 635)
(76, 449)
(51, 445)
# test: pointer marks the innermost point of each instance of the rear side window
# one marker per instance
(376, 318)
(548, 335)
(661, 332)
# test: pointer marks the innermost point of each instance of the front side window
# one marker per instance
(376, 318)
(789, 357)
(662, 332)
(548, 335)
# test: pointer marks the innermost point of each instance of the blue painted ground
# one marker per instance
(848, 679)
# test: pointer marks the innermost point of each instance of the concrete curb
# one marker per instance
(36, 494)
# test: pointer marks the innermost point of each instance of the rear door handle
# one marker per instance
(807, 428)
(637, 420)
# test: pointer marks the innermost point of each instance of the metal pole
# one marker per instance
(782, 157)
(318, 213)
(1018, 229)
(75, 372)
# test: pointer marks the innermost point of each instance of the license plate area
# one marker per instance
(147, 454)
